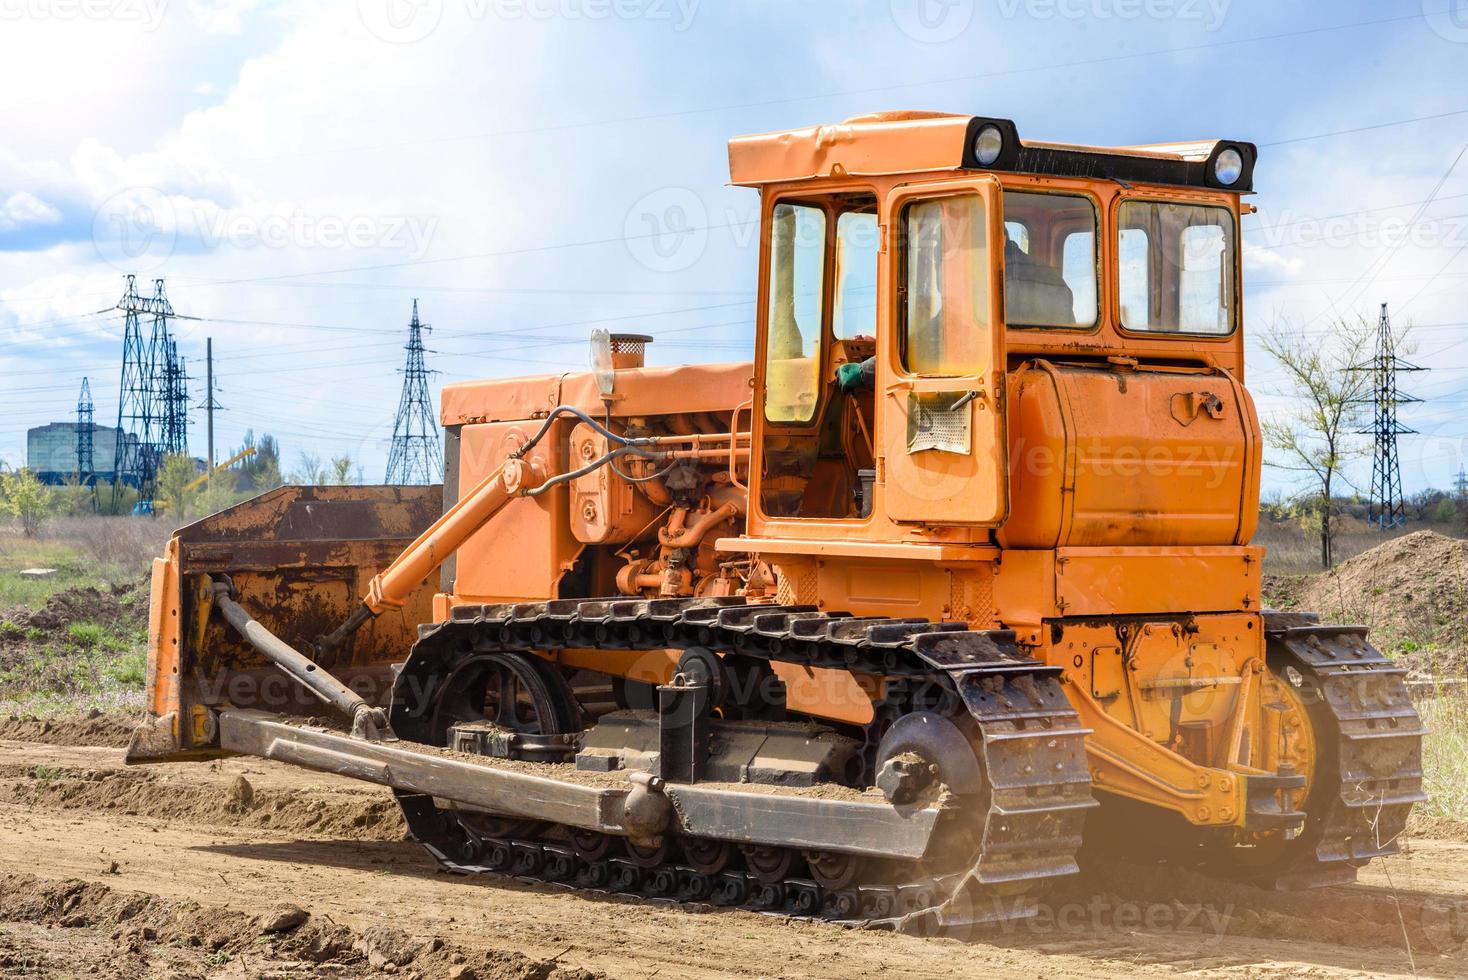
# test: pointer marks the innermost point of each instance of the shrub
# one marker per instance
(25, 499)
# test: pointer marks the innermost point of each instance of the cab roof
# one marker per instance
(903, 142)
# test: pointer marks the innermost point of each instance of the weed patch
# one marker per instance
(1445, 755)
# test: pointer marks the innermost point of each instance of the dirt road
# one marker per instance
(217, 847)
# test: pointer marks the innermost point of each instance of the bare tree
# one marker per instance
(310, 473)
(1318, 436)
(341, 470)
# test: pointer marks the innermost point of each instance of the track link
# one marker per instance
(1020, 833)
(1369, 740)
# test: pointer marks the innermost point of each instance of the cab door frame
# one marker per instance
(963, 479)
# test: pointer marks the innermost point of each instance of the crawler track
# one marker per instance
(1370, 767)
(1016, 835)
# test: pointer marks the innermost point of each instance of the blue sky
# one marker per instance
(532, 169)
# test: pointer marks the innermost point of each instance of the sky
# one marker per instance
(298, 172)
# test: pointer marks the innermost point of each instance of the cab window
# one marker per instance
(1176, 270)
(797, 276)
(854, 313)
(1049, 260)
(944, 301)
(819, 362)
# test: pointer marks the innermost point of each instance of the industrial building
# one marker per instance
(51, 451)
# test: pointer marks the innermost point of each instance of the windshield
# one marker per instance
(1176, 268)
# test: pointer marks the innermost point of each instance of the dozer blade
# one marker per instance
(298, 559)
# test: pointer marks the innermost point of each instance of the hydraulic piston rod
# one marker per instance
(388, 587)
(367, 722)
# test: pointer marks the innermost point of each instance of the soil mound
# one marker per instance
(120, 605)
(94, 730)
(143, 930)
(1413, 593)
(155, 793)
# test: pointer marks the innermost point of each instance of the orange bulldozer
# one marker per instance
(873, 628)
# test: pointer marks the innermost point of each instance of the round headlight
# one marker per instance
(1228, 167)
(988, 144)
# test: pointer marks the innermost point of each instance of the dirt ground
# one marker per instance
(185, 870)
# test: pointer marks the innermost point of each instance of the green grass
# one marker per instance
(88, 664)
(74, 558)
(85, 636)
(130, 670)
(1445, 755)
(85, 666)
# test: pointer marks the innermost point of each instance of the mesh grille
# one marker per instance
(629, 343)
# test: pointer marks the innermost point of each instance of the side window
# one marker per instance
(855, 311)
(945, 294)
(1050, 269)
(793, 348)
(1177, 267)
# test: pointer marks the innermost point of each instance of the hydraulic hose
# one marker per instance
(518, 476)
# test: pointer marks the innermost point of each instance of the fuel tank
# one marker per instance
(1121, 454)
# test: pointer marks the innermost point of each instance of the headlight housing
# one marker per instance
(1228, 167)
(988, 145)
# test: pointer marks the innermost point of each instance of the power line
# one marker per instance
(1367, 129)
(1374, 269)
(900, 86)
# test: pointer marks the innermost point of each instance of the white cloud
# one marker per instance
(1260, 259)
(221, 16)
(24, 208)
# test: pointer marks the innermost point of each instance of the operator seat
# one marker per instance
(1035, 293)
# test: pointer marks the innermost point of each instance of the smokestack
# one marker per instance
(629, 350)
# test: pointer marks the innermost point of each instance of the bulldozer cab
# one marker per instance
(849, 388)
(900, 284)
